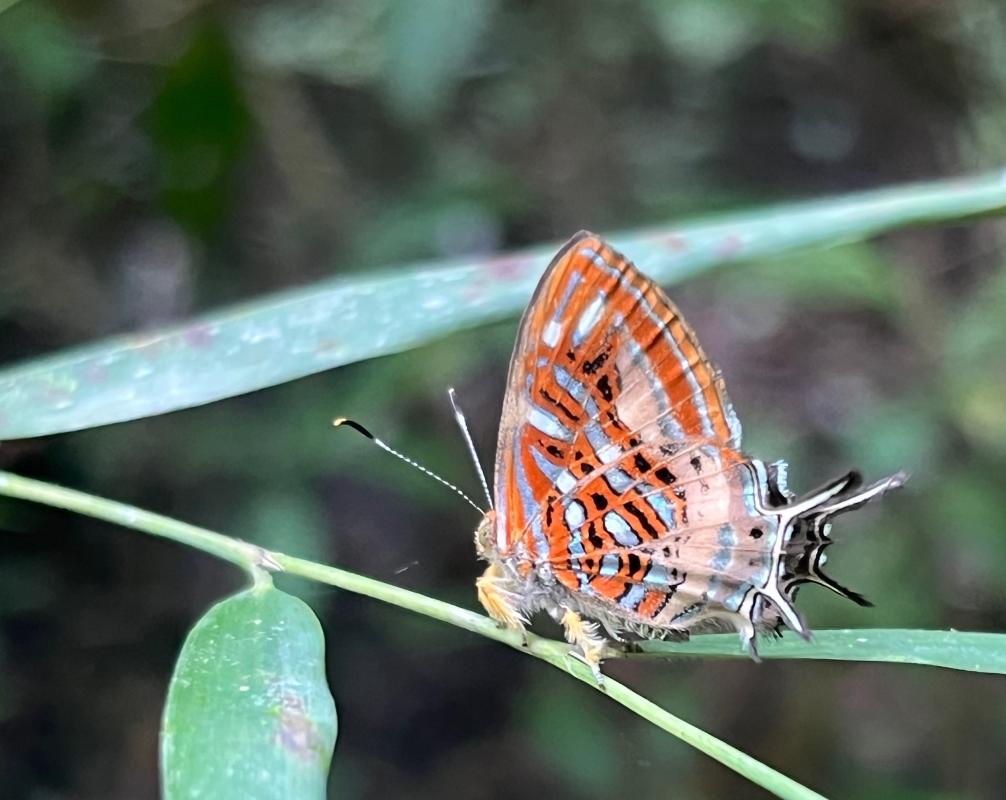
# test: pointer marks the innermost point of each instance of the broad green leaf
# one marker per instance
(286, 336)
(249, 714)
(973, 652)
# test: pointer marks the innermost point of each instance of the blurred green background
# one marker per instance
(162, 158)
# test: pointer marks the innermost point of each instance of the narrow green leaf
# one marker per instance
(249, 714)
(973, 652)
(286, 336)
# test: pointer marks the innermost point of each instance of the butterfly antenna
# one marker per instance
(463, 424)
(356, 426)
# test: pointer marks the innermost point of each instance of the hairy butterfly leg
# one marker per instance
(499, 602)
(587, 637)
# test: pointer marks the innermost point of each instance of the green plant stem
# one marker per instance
(558, 655)
(245, 555)
(253, 559)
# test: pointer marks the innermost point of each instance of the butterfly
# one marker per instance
(623, 502)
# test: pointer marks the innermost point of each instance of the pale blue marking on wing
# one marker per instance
(660, 504)
(616, 525)
(588, 319)
(575, 515)
(548, 469)
(553, 330)
(565, 482)
(657, 575)
(618, 479)
(606, 451)
(548, 424)
(726, 537)
(576, 390)
(748, 493)
(609, 565)
(633, 597)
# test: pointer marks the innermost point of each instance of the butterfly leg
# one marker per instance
(499, 602)
(586, 636)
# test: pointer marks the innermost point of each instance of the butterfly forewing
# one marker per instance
(613, 416)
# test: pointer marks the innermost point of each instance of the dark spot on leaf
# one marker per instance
(297, 733)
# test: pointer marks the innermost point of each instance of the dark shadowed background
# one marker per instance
(162, 158)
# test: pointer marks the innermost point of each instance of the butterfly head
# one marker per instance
(485, 536)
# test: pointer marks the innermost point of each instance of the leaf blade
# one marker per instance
(249, 714)
(286, 336)
(960, 650)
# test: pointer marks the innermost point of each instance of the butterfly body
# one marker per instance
(622, 495)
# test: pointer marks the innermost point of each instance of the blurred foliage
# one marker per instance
(161, 158)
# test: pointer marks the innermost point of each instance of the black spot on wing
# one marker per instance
(665, 476)
(594, 364)
(644, 523)
(604, 387)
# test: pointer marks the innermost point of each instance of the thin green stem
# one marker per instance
(256, 560)
(245, 555)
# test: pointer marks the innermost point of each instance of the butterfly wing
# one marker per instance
(618, 468)
(601, 352)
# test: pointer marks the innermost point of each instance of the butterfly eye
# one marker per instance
(485, 535)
